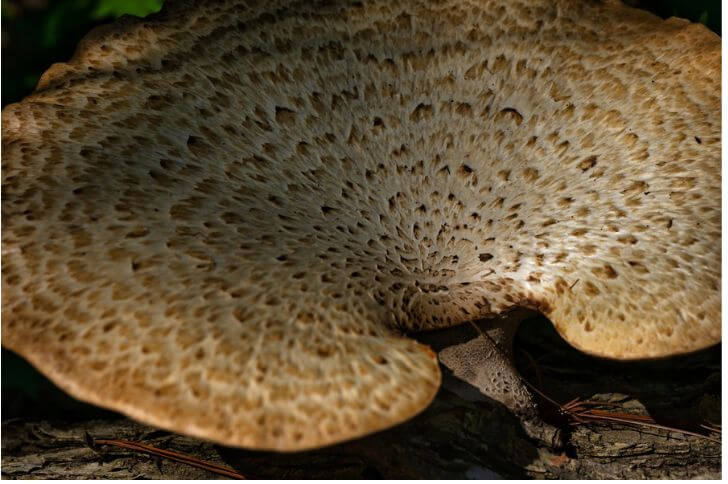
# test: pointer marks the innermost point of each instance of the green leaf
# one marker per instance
(703, 18)
(116, 8)
(30, 80)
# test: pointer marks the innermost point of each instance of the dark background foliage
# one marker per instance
(37, 33)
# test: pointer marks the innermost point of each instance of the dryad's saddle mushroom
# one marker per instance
(223, 219)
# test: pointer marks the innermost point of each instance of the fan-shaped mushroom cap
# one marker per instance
(219, 220)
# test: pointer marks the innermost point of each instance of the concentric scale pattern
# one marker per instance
(222, 219)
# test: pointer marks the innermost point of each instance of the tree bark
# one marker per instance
(460, 435)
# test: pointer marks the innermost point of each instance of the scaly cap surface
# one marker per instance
(221, 219)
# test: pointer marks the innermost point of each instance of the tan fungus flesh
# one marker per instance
(221, 220)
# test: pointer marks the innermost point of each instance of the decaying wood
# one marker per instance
(456, 437)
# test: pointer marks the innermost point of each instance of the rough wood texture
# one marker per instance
(456, 437)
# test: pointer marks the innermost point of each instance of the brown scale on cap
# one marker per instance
(221, 219)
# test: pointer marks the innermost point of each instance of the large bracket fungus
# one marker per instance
(224, 219)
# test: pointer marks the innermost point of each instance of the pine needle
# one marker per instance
(167, 454)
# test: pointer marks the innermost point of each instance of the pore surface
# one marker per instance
(222, 219)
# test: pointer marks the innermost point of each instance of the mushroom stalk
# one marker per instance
(481, 355)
